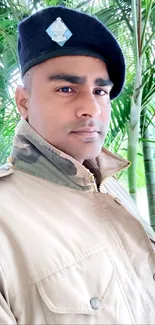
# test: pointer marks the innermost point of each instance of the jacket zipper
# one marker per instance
(112, 174)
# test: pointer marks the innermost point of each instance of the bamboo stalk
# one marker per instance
(145, 23)
(136, 100)
(149, 176)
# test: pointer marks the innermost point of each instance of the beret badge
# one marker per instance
(59, 32)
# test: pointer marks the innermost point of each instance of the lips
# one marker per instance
(86, 134)
(86, 130)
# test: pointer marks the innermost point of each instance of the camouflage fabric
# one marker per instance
(35, 156)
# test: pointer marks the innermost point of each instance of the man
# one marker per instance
(73, 247)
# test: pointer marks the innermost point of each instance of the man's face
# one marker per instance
(69, 104)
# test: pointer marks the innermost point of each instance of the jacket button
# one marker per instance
(95, 303)
(117, 200)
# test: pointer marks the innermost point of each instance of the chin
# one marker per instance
(91, 154)
(82, 151)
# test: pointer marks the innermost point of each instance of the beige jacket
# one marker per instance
(71, 256)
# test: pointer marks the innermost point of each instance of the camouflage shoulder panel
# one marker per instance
(5, 170)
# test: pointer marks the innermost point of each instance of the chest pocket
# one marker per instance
(85, 293)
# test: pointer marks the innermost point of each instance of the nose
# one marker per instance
(87, 106)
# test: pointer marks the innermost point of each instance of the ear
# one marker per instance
(21, 97)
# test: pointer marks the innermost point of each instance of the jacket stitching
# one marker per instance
(120, 243)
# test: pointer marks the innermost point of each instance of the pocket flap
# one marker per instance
(71, 289)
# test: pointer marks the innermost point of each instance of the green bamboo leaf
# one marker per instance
(146, 140)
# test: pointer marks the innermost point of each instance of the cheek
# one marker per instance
(106, 114)
(40, 107)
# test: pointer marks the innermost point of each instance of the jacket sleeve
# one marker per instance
(114, 188)
(6, 316)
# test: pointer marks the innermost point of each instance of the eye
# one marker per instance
(100, 92)
(65, 90)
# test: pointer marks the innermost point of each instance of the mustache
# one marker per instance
(93, 123)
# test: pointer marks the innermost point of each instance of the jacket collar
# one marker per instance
(33, 155)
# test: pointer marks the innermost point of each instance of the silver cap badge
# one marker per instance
(59, 32)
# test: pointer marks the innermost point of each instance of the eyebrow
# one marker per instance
(69, 78)
(80, 80)
(103, 82)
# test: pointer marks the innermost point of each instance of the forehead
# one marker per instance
(77, 65)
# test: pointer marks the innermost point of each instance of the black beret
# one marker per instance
(58, 31)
